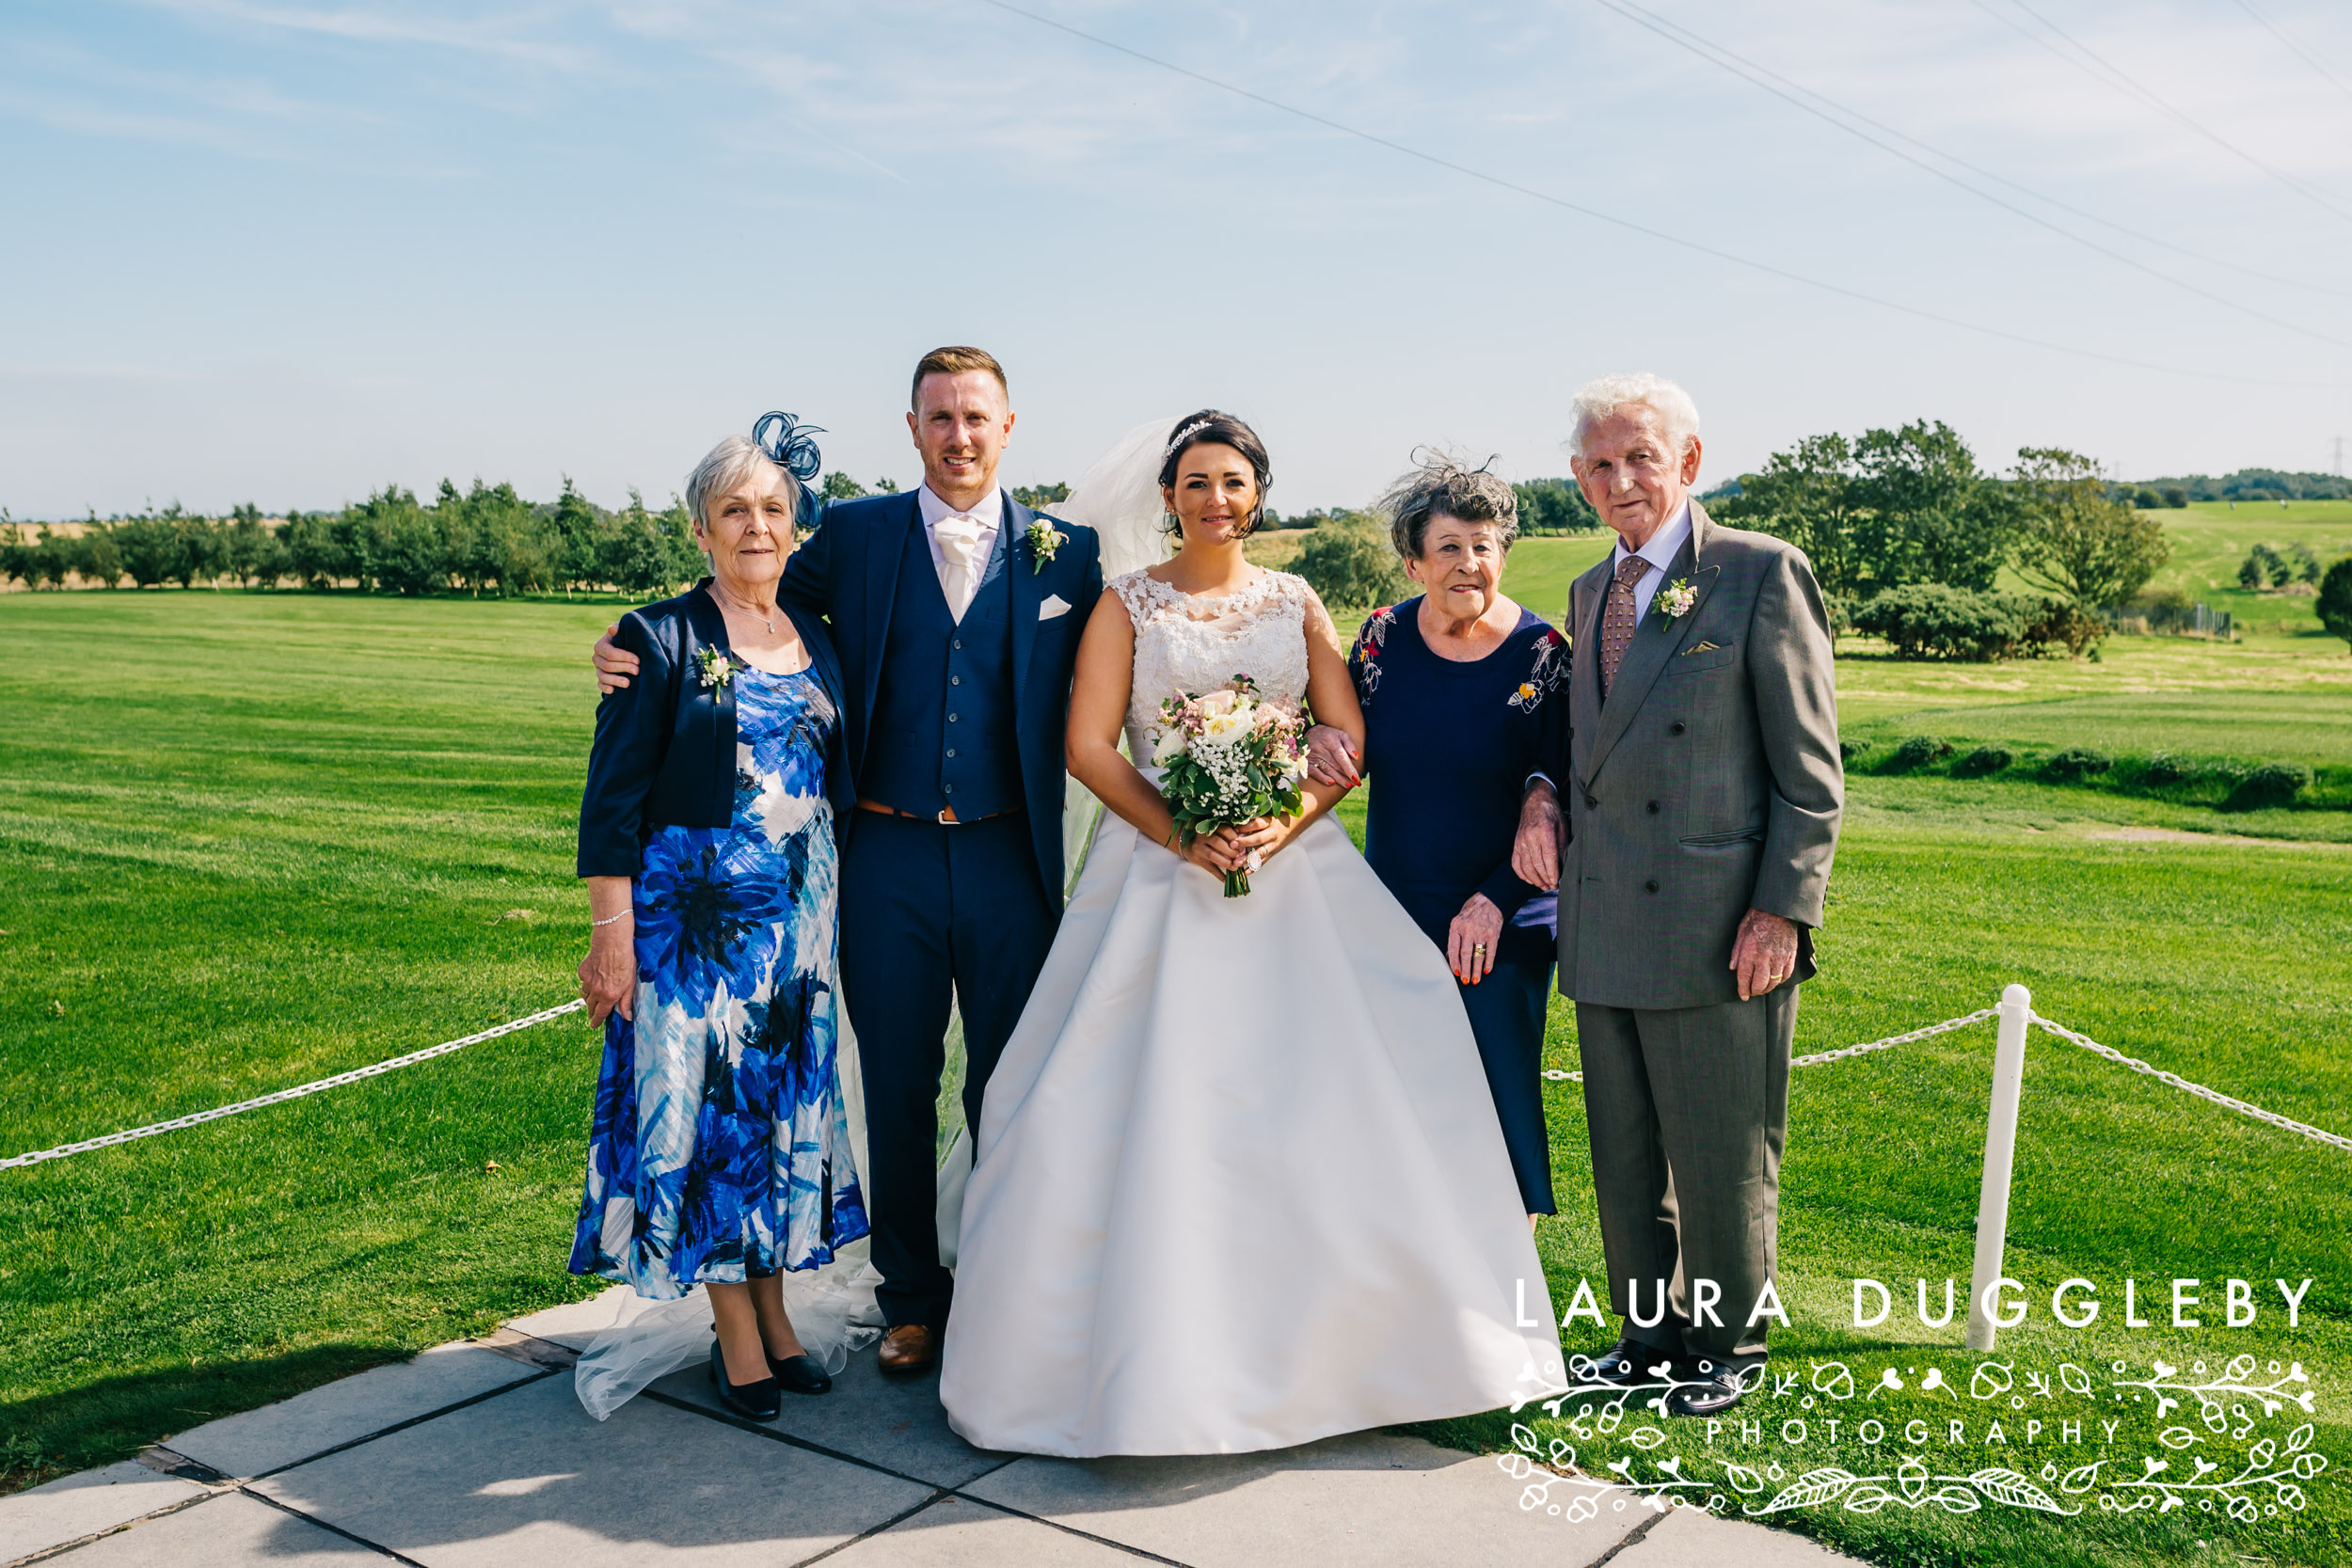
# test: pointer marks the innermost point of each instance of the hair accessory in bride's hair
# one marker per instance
(1176, 443)
(792, 446)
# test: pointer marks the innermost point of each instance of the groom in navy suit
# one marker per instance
(957, 618)
(956, 611)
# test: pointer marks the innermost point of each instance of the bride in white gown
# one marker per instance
(1239, 1182)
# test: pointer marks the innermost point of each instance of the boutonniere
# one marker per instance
(1675, 600)
(714, 667)
(1044, 539)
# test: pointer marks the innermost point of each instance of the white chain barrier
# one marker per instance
(111, 1139)
(1926, 1032)
(2175, 1080)
(2240, 1106)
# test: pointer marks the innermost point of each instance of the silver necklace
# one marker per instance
(767, 621)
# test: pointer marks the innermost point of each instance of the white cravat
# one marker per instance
(961, 569)
(962, 558)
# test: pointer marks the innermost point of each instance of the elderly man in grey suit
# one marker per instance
(1702, 797)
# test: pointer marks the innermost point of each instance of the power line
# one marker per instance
(2307, 57)
(2091, 62)
(1700, 247)
(1773, 83)
(2129, 232)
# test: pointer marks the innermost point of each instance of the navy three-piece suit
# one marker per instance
(941, 715)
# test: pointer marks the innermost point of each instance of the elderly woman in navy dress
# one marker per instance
(721, 1151)
(1464, 698)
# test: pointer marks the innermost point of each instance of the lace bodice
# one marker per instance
(1195, 643)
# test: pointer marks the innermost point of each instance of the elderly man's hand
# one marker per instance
(615, 666)
(1764, 953)
(1535, 852)
(1472, 940)
(1331, 757)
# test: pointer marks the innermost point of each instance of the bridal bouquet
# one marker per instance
(1227, 756)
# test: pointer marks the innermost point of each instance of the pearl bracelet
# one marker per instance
(607, 920)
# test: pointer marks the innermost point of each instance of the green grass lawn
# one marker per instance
(249, 840)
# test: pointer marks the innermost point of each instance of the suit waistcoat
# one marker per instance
(943, 731)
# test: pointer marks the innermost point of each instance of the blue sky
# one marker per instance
(288, 250)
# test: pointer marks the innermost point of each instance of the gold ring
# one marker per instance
(1478, 948)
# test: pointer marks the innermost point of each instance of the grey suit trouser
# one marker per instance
(1688, 1111)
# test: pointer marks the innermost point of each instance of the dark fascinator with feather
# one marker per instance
(792, 446)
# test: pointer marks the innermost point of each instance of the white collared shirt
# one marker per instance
(987, 511)
(1660, 552)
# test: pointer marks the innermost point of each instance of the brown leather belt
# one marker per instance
(946, 818)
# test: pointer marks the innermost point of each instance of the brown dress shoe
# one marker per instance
(910, 1347)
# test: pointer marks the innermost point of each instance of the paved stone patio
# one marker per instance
(477, 1455)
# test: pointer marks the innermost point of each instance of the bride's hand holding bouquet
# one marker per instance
(1231, 764)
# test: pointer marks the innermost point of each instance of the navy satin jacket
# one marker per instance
(664, 751)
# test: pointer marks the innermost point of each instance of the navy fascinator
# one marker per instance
(790, 443)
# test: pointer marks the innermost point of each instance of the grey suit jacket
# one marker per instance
(1707, 783)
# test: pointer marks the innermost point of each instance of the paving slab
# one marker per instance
(576, 1322)
(230, 1531)
(953, 1534)
(346, 1410)
(896, 1423)
(1694, 1538)
(1372, 1498)
(527, 1478)
(78, 1505)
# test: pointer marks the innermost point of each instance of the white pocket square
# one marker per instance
(1055, 605)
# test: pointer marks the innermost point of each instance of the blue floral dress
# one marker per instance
(720, 1149)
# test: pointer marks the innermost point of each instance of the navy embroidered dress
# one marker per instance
(720, 1149)
(1448, 749)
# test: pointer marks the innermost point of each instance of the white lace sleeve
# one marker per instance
(1135, 591)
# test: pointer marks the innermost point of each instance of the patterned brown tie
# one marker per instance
(1617, 619)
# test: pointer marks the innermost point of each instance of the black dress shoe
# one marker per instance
(1626, 1365)
(757, 1401)
(800, 1374)
(1722, 1381)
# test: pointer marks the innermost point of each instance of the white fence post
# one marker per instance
(2000, 1147)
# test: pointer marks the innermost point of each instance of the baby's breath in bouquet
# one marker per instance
(1227, 756)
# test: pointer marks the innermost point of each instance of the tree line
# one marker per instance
(486, 540)
(1909, 536)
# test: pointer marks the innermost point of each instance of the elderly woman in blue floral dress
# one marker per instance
(721, 1150)
(1464, 695)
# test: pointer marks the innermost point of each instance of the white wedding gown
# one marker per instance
(1239, 1181)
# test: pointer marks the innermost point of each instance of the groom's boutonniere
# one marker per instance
(1044, 539)
(1675, 600)
(715, 669)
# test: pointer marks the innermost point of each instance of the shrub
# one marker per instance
(2166, 768)
(2175, 497)
(2272, 784)
(1917, 751)
(1849, 750)
(2335, 599)
(2167, 610)
(2057, 622)
(1350, 562)
(1983, 760)
(1930, 620)
(2079, 762)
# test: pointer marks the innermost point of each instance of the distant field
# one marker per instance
(2210, 539)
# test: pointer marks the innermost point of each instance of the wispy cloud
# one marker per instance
(528, 37)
